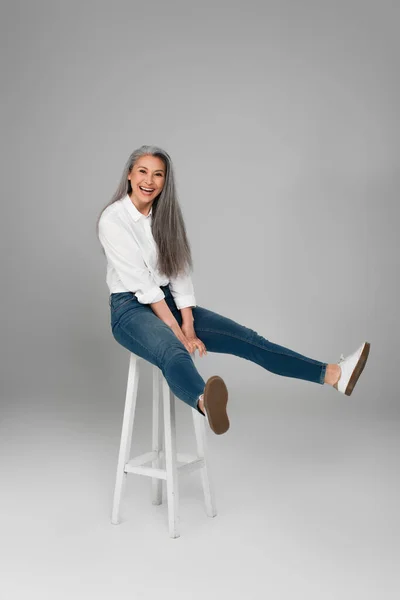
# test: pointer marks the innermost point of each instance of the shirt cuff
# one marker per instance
(185, 302)
(155, 294)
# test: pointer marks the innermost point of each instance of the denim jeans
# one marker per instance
(137, 328)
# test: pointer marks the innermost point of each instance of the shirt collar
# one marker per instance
(133, 211)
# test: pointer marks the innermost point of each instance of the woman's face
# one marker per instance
(148, 173)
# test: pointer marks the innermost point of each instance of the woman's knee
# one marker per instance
(171, 353)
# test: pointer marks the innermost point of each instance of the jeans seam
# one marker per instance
(256, 345)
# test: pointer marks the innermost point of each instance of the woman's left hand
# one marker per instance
(190, 334)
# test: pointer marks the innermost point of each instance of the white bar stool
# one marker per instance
(172, 470)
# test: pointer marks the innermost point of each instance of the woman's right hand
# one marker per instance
(190, 347)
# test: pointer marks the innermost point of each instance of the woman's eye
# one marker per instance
(143, 171)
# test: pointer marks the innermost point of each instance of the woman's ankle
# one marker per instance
(332, 374)
(200, 403)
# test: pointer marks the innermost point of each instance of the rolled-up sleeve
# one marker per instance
(124, 255)
(182, 290)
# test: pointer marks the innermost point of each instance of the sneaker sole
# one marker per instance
(215, 401)
(358, 369)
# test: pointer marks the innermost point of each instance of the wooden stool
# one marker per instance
(171, 470)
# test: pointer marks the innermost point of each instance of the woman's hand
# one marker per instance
(190, 347)
(190, 335)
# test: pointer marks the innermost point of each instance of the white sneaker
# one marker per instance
(351, 369)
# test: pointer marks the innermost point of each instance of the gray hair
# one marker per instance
(168, 227)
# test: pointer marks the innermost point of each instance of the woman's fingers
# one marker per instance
(200, 346)
(192, 344)
(188, 345)
(182, 338)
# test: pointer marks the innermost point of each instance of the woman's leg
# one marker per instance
(137, 328)
(221, 334)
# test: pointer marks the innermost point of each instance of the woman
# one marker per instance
(153, 307)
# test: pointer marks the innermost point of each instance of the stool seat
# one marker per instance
(163, 457)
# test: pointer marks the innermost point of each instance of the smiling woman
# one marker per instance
(147, 181)
(153, 307)
(150, 168)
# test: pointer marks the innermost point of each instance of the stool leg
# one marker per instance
(126, 436)
(157, 436)
(202, 452)
(171, 459)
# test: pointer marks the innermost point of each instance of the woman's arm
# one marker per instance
(163, 312)
(187, 315)
(182, 291)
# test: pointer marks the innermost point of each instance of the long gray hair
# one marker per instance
(168, 227)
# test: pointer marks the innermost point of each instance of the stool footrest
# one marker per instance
(142, 459)
(149, 471)
(190, 463)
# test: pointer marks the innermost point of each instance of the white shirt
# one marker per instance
(131, 253)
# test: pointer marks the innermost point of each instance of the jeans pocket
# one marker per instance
(120, 299)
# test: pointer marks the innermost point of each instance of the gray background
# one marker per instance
(282, 120)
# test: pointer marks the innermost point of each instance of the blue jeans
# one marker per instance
(137, 328)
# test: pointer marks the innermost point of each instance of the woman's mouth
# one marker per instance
(146, 191)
